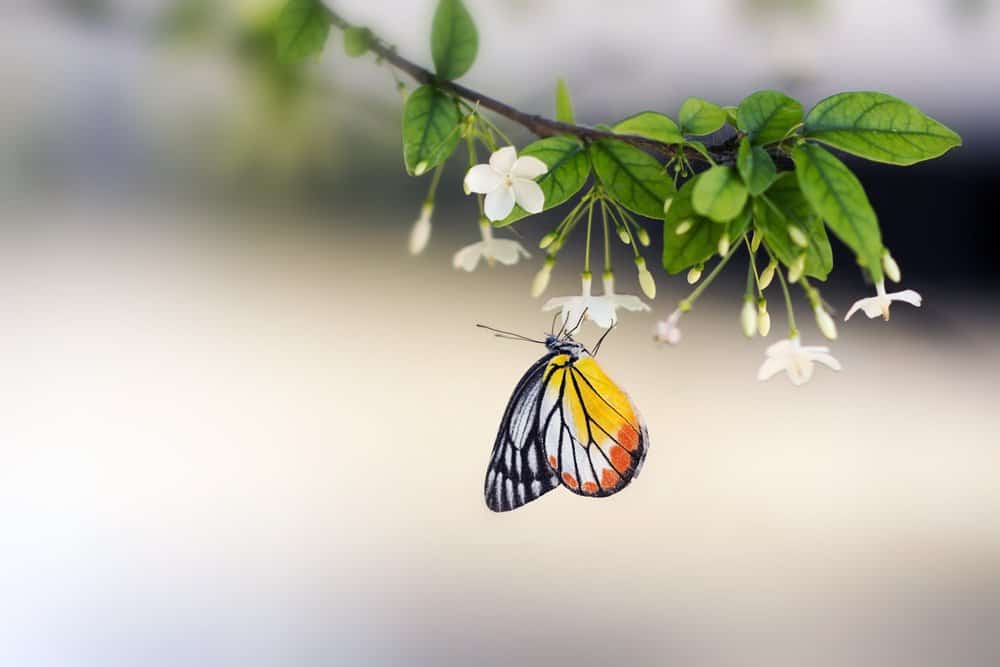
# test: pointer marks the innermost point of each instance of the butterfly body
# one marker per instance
(566, 424)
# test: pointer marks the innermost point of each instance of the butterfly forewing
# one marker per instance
(518, 473)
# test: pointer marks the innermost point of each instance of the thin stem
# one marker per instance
(688, 303)
(607, 237)
(435, 179)
(792, 330)
(753, 267)
(590, 224)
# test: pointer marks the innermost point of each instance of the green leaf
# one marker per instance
(454, 39)
(633, 178)
(755, 166)
(784, 205)
(719, 194)
(430, 129)
(767, 116)
(731, 115)
(699, 116)
(301, 30)
(836, 194)
(879, 127)
(357, 41)
(700, 240)
(564, 103)
(569, 167)
(651, 125)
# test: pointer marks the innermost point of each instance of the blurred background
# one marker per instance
(242, 426)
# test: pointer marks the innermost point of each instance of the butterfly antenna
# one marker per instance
(601, 339)
(510, 335)
(579, 323)
(552, 328)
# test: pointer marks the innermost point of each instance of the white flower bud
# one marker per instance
(798, 236)
(683, 228)
(694, 275)
(766, 276)
(748, 318)
(547, 240)
(646, 281)
(624, 236)
(890, 267)
(763, 318)
(723, 245)
(421, 168)
(643, 236)
(541, 280)
(796, 269)
(755, 241)
(825, 323)
(421, 232)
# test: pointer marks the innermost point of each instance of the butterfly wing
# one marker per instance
(592, 434)
(517, 473)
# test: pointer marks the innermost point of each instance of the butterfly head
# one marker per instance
(564, 345)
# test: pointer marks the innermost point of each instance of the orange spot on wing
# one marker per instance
(553, 461)
(589, 487)
(570, 480)
(620, 458)
(628, 437)
(609, 478)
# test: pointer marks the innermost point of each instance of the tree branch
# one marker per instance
(538, 125)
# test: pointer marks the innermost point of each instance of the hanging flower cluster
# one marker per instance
(771, 187)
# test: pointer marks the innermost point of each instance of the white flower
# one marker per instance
(505, 251)
(601, 310)
(421, 232)
(667, 331)
(508, 180)
(877, 305)
(796, 360)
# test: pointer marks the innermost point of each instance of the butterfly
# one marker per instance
(567, 423)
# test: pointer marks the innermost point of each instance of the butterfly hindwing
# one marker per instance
(592, 435)
(518, 473)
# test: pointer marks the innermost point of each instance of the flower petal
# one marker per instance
(482, 179)
(558, 302)
(781, 349)
(871, 306)
(499, 203)
(503, 160)
(827, 360)
(505, 251)
(601, 312)
(529, 195)
(800, 372)
(628, 302)
(468, 257)
(909, 296)
(528, 167)
(771, 367)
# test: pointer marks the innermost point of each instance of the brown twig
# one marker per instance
(538, 125)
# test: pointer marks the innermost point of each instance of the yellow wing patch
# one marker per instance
(593, 436)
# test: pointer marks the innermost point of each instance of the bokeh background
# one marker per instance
(240, 425)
